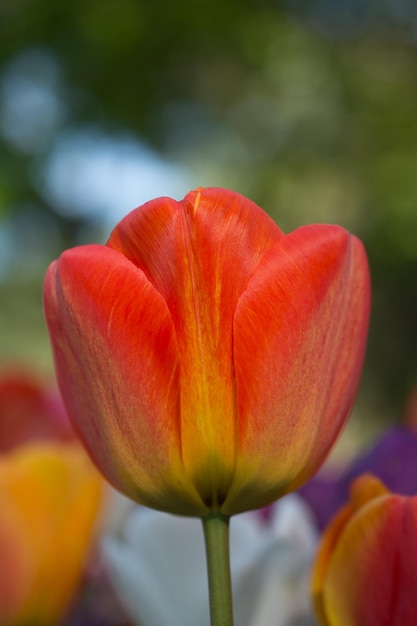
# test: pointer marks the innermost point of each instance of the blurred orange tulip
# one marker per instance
(49, 499)
(208, 360)
(366, 569)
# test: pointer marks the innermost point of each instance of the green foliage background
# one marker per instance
(309, 111)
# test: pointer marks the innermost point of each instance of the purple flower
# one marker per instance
(393, 459)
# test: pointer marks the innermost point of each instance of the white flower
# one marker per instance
(158, 567)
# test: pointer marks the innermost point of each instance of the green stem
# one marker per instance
(216, 535)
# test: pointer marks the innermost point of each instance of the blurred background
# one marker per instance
(307, 107)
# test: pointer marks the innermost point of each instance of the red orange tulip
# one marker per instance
(366, 569)
(207, 360)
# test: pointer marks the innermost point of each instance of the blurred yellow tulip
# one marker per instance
(49, 500)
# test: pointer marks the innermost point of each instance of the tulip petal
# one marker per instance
(199, 254)
(112, 334)
(299, 336)
(363, 490)
(325, 552)
(372, 575)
